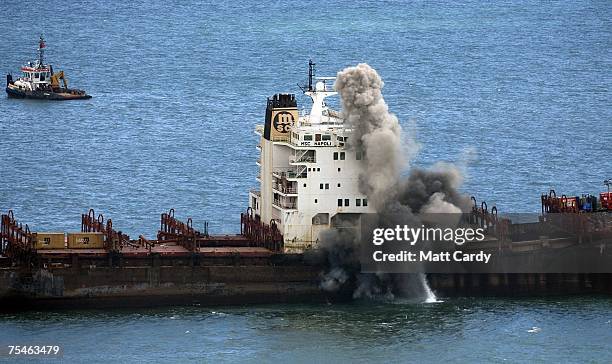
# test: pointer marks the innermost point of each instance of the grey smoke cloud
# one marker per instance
(377, 132)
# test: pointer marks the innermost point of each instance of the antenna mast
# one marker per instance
(41, 51)
(311, 73)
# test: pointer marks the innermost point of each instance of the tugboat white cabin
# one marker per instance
(308, 175)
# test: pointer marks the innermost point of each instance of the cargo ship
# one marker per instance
(309, 182)
(39, 81)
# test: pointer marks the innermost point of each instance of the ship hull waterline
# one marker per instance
(45, 95)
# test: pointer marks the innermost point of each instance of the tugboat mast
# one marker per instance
(41, 51)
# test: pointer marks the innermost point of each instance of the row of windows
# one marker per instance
(358, 202)
(324, 186)
(319, 137)
(41, 75)
(319, 169)
(342, 156)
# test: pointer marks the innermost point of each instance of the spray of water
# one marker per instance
(398, 200)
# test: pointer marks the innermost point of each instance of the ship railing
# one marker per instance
(289, 172)
(284, 204)
(281, 172)
(303, 160)
(172, 229)
(284, 189)
(259, 233)
(16, 240)
(295, 174)
(115, 240)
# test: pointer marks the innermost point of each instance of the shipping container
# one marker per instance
(85, 240)
(49, 241)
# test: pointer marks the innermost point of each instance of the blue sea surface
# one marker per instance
(517, 94)
(467, 330)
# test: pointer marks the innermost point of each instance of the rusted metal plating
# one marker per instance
(115, 240)
(481, 216)
(173, 230)
(259, 233)
(16, 241)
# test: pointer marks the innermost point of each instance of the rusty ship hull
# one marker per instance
(246, 283)
(221, 282)
(101, 267)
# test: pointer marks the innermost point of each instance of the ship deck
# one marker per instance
(165, 250)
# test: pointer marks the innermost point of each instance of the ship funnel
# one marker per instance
(281, 115)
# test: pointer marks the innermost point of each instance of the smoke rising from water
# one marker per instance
(378, 134)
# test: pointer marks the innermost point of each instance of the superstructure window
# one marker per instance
(316, 201)
(326, 137)
(335, 156)
(317, 137)
(358, 202)
(346, 202)
(308, 137)
(358, 155)
(339, 202)
(327, 186)
(365, 202)
(339, 169)
(321, 186)
(338, 184)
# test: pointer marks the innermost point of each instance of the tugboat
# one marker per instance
(38, 81)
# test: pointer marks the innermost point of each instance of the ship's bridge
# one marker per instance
(36, 74)
(309, 176)
(323, 126)
(319, 136)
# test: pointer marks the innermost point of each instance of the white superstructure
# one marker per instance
(35, 75)
(308, 175)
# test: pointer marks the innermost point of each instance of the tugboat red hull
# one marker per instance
(48, 95)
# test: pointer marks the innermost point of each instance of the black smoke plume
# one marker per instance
(397, 200)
